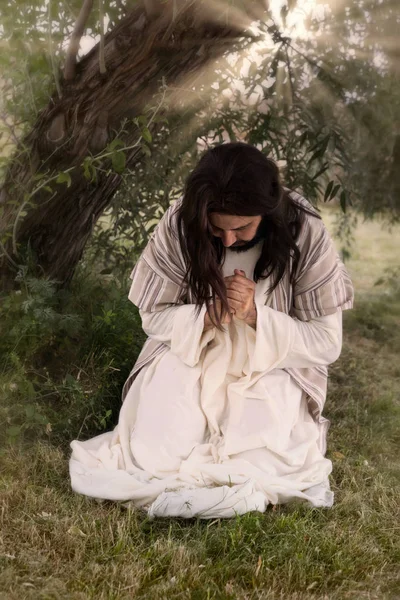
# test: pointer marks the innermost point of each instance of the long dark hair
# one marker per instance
(236, 179)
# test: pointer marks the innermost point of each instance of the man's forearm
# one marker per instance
(178, 328)
(251, 321)
(284, 342)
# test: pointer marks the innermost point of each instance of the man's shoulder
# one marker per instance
(171, 214)
(302, 201)
(167, 225)
(312, 225)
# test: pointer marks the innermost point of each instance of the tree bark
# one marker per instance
(138, 53)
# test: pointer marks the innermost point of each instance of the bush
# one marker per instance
(65, 355)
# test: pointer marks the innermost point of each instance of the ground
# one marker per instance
(55, 544)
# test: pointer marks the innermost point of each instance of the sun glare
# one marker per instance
(295, 24)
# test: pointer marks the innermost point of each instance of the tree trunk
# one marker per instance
(57, 220)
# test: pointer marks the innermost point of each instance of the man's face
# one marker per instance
(237, 233)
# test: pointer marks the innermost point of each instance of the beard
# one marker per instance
(258, 237)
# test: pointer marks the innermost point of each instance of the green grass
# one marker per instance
(55, 544)
(375, 247)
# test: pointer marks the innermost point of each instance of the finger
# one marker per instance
(235, 276)
(239, 279)
(235, 295)
(236, 304)
(217, 309)
(242, 283)
(240, 272)
(241, 287)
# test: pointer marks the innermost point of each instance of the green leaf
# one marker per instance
(343, 201)
(146, 149)
(146, 135)
(89, 171)
(116, 143)
(40, 419)
(30, 390)
(328, 190)
(70, 379)
(38, 176)
(321, 149)
(160, 119)
(29, 411)
(334, 191)
(64, 178)
(14, 431)
(118, 160)
(86, 170)
(324, 168)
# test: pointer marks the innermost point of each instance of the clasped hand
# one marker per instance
(240, 295)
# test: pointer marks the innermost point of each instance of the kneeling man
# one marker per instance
(241, 292)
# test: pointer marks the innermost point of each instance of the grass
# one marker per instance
(55, 544)
(374, 248)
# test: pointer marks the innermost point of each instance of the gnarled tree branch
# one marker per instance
(70, 60)
(151, 8)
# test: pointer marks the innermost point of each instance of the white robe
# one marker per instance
(213, 426)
